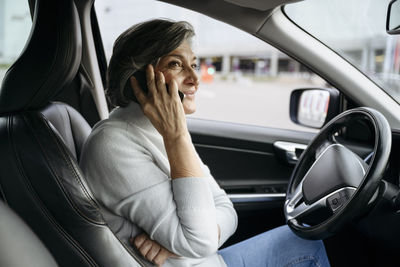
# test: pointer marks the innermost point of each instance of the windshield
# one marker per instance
(357, 31)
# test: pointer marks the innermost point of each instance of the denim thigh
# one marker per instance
(275, 248)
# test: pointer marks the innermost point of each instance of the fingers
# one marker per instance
(161, 257)
(173, 88)
(137, 91)
(156, 84)
(139, 240)
(150, 79)
(151, 250)
(145, 247)
(143, 243)
(161, 86)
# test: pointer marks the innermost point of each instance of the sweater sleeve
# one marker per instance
(179, 214)
(226, 215)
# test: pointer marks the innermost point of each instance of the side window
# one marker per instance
(243, 79)
(15, 25)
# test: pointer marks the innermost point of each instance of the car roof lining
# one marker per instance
(260, 5)
(248, 15)
(244, 18)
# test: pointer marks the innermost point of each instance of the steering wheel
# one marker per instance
(331, 184)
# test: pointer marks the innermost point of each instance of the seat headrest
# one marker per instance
(49, 61)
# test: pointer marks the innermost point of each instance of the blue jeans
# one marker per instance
(279, 247)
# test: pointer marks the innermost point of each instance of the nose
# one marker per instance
(192, 77)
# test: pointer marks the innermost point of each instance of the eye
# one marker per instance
(195, 66)
(174, 65)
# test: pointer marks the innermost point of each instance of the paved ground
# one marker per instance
(257, 103)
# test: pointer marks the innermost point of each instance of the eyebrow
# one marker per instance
(179, 56)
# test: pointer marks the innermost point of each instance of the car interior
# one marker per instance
(54, 93)
(17, 236)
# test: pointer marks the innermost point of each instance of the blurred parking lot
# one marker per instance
(262, 103)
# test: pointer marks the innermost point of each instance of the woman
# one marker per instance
(143, 169)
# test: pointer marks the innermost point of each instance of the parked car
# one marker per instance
(261, 167)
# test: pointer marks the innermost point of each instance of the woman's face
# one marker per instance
(180, 65)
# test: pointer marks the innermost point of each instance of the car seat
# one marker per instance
(19, 246)
(41, 141)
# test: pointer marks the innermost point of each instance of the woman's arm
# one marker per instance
(179, 214)
(166, 114)
(165, 111)
(226, 215)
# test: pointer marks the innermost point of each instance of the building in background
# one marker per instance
(226, 50)
(229, 50)
(15, 25)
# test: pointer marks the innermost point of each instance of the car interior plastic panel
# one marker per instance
(39, 174)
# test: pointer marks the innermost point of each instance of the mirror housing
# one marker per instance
(393, 17)
(314, 107)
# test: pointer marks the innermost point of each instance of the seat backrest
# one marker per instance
(79, 96)
(69, 124)
(40, 142)
(19, 246)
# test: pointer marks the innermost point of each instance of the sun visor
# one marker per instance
(261, 5)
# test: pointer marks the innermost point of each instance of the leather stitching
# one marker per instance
(38, 203)
(63, 153)
(72, 134)
(70, 165)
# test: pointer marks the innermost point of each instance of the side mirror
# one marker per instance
(313, 107)
(393, 17)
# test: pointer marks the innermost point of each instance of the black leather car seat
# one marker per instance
(19, 246)
(41, 141)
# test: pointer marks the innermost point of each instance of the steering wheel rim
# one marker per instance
(353, 201)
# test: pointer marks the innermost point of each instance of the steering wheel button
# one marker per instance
(345, 195)
(334, 202)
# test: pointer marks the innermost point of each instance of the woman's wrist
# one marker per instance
(182, 157)
(176, 138)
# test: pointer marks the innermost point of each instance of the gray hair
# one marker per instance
(142, 44)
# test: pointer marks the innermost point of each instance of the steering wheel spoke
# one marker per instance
(297, 209)
(301, 210)
(295, 204)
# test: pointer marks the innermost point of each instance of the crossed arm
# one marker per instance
(153, 251)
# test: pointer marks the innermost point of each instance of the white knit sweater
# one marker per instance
(127, 169)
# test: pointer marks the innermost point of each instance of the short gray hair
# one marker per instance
(138, 46)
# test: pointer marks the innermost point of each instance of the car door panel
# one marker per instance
(243, 158)
(247, 165)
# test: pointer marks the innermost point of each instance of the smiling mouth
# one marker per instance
(189, 93)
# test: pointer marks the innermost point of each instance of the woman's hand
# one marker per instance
(151, 250)
(165, 111)
(163, 107)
